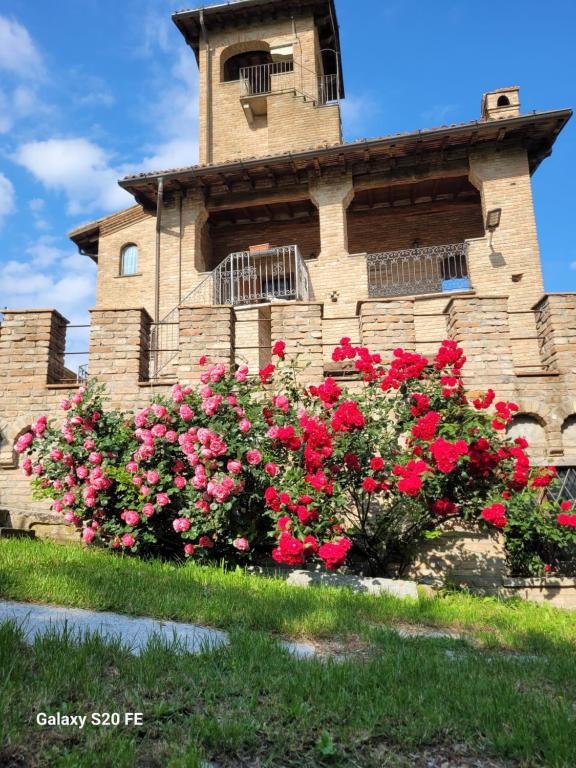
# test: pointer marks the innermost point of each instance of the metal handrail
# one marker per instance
(435, 269)
(328, 89)
(255, 277)
(257, 79)
(165, 335)
(242, 279)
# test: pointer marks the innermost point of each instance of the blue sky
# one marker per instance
(91, 90)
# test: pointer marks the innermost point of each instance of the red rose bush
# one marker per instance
(249, 463)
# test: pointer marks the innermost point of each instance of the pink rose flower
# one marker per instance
(242, 373)
(132, 467)
(244, 426)
(148, 510)
(95, 457)
(171, 436)
(271, 469)
(253, 457)
(188, 550)
(162, 499)
(88, 535)
(158, 430)
(152, 477)
(186, 413)
(131, 518)
(128, 540)
(242, 544)
(65, 405)
(24, 442)
(234, 466)
(89, 444)
(159, 411)
(181, 525)
(180, 482)
(56, 454)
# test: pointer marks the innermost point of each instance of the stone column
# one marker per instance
(332, 199)
(253, 335)
(506, 262)
(556, 327)
(386, 325)
(204, 331)
(32, 346)
(299, 324)
(119, 340)
(480, 326)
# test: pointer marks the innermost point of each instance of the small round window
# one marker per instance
(129, 260)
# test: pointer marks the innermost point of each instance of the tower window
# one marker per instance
(235, 63)
(503, 101)
(129, 260)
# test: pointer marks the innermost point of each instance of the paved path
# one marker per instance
(134, 632)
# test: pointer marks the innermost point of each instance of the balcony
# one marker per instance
(246, 278)
(261, 276)
(416, 271)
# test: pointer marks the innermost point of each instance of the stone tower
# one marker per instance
(270, 76)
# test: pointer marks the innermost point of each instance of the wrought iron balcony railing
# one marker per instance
(256, 277)
(242, 279)
(328, 89)
(258, 80)
(436, 269)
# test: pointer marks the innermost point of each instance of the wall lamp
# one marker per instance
(493, 219)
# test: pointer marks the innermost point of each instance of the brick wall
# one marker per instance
(507, 262)
(390, 230)
(291, 121)
(230, 239)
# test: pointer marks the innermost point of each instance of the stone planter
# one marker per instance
(462, 556)
(557, 592)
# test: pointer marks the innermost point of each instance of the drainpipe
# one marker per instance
(159, 203)
(208, 88)
(180, 225)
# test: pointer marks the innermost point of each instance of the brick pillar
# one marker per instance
(387, 325)
(253, 335)
(206, 331)
(480, 326)
(119, 350)
(299, 324)
(556, 328)
(503, 180)
(332, 199)
(32, 346)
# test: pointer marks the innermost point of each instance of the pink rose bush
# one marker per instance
(252, 464)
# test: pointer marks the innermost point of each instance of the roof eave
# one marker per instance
(562, 117)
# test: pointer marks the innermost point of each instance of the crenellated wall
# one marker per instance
(32, 345)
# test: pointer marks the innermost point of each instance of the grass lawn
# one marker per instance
(507, 697)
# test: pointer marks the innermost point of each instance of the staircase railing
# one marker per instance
(243, 278)
(165, 335)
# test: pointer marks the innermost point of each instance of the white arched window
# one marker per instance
(129, 260)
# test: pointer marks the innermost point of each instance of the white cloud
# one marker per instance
(7, 197)
(18, 54)
(77, 167)
(172, 154)
(50, 276)
(178, 146)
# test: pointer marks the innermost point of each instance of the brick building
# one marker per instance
(284, 230)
